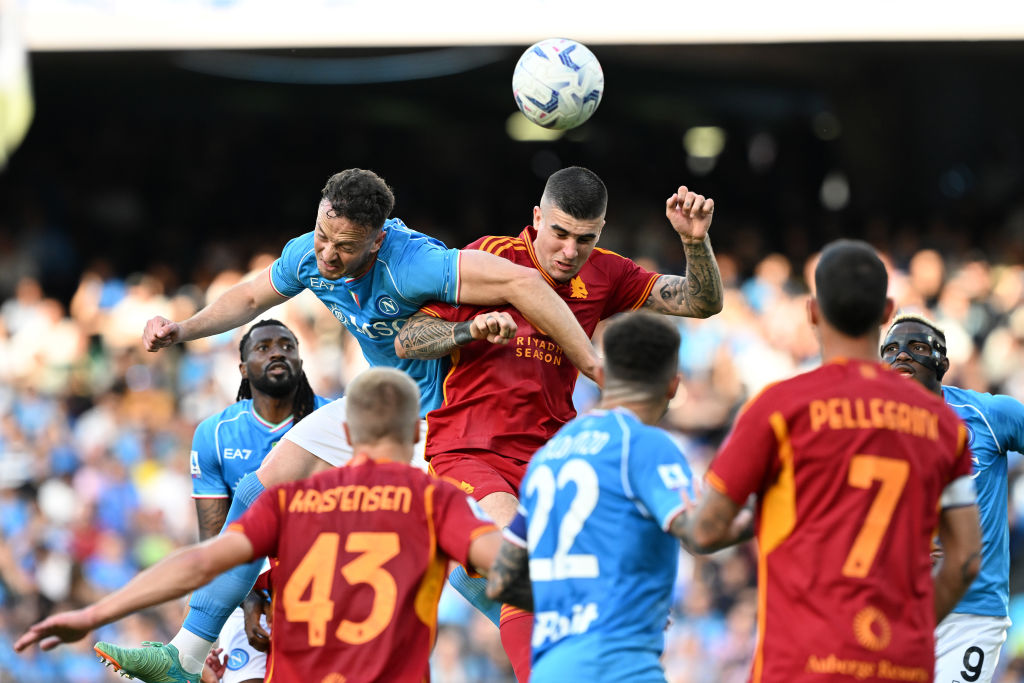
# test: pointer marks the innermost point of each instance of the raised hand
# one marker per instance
(690, 214)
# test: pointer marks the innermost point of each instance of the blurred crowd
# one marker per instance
(95, 434)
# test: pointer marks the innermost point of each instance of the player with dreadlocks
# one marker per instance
(273, 396)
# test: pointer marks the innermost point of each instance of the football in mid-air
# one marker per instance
(558, 83)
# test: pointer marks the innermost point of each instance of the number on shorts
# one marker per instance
(864, 470)
(972, 672)
(562, 565)
(316, 573)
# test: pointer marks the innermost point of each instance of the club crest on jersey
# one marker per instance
(237, 659)
(579, 289)
(387, 306)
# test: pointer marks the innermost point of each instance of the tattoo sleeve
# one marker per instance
(509, 578)
(425, 337)
(211, 514)
(698, 294)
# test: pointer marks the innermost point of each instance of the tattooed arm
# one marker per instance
(509, 578)
(211, 514)
(717, 523)
(424, 337)
(698, 294)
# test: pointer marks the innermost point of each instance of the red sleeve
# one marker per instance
(633, 283)
(459, 520)
(451, 312)
(748, 456)
(262, 521)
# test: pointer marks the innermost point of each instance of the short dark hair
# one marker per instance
(360, 196)
(641, 348)
(851, 284)
(578, 192)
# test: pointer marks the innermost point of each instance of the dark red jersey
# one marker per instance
(511, 399)
(848, 462)
(362, 556)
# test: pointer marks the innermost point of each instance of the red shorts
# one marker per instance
(480, 473)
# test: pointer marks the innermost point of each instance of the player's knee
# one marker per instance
(500, 507)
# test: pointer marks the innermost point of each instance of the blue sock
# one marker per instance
(211, 605)
(474, 590)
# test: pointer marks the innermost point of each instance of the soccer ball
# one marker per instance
(558, 83)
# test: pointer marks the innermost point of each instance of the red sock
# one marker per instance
(516, 632)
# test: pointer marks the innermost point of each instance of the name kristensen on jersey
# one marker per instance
(350, 498)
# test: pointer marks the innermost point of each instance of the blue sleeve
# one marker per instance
(658, 475)
(515, 532)
(1010, 414)
(284, 272)
(207, 475)
(427, 270)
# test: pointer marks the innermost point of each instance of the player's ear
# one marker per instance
(536, 218)
(813, 312)
(416, 432)
(348, 435)
(244, 372)
(890, 308)
(673, 386)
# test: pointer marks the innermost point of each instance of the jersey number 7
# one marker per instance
(864, 471)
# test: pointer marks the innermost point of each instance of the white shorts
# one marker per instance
(321, 433)
(967, 648)
(244, 662)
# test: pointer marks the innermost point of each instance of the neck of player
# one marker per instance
(835, 344)
(272, 409)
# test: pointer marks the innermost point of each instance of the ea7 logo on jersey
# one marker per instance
(237, 453)
(193, 464)
(320, 283)
(673, 476)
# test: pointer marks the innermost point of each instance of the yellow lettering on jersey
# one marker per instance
(843, 413)
(352, 498)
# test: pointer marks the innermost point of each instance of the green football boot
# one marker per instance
(151, 663)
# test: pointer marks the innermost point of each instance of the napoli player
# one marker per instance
(969, 640)
(595, 532)
(274, 395)
(372, 272)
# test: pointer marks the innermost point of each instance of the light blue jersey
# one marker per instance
(229, 445)
(995, 426)
(598, 500)
(411, 269)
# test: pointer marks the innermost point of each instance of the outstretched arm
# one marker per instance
(489, 280)
(172, 577)
(425, 337)
(236, 306)
(698, 293)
